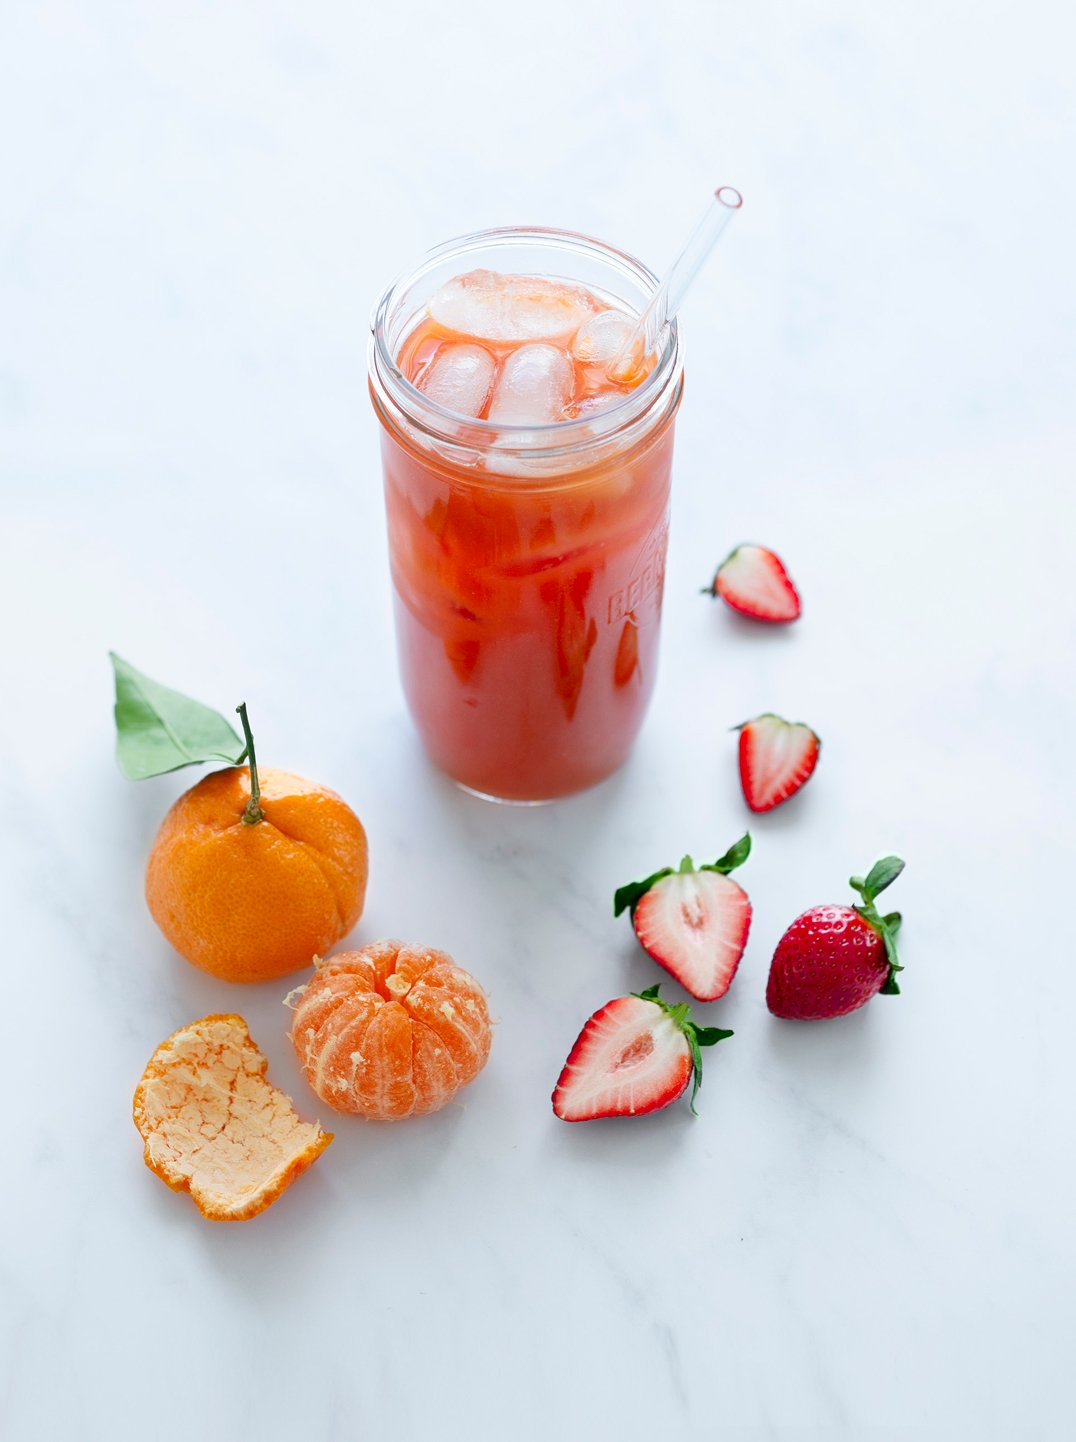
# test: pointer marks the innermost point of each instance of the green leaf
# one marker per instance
(882, 874)
(696, 1067)
(735, 856)
(651, 994)
(700, 1036)
(633, 893)
(159, 730)
(711, 1035)
(887, 928)
(680, 1013)
(890, 943)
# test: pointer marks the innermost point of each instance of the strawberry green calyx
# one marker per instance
(882, 874)
(697, 1036)
(711, 589)
(628, 897)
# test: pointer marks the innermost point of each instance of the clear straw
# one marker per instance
(646, 335)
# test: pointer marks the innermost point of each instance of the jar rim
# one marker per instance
(534, 441)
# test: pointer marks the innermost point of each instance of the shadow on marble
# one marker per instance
(793, 815)
(818, 1049)
(142, 805)
(740, 630)
(475, 817)
(619, 1146)
(369, 1169)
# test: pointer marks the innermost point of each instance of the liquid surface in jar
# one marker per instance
(522, 350)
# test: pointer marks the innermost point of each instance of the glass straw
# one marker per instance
(644, 337)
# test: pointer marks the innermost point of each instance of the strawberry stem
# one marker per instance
(628, 897)
(253, 813)
(697, 1036)
(882, 874)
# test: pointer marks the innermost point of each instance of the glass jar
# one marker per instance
(527, 561)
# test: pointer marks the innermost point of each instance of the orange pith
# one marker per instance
(215, 1127)
(390, 1031)
(248, 903)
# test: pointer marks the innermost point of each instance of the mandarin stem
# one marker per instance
(253, 813)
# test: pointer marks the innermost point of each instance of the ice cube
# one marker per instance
(459, 378)
(593, 405)
(489, 306)
(602, 337)
(533, 387)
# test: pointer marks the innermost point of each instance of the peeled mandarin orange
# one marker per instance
(390, 1031)
(213, 1126)
(251, 901)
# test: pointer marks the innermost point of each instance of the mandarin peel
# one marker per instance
(214, 1126)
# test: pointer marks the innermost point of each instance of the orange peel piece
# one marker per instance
(215, 1127)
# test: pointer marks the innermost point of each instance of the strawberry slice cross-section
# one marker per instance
(635, 1055)
(693, 921)
(776, 758)
(753, 581)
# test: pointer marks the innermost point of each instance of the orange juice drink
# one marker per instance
(527, 498)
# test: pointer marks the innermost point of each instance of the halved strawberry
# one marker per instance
(694, 921)
(636, 1055)
(753, 581)
(776, 758)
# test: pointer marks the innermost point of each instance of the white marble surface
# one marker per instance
(867, 1233)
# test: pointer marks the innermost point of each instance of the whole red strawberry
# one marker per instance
(833, 959)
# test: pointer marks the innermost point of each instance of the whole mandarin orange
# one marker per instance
(390, 1031)
(249, 900)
